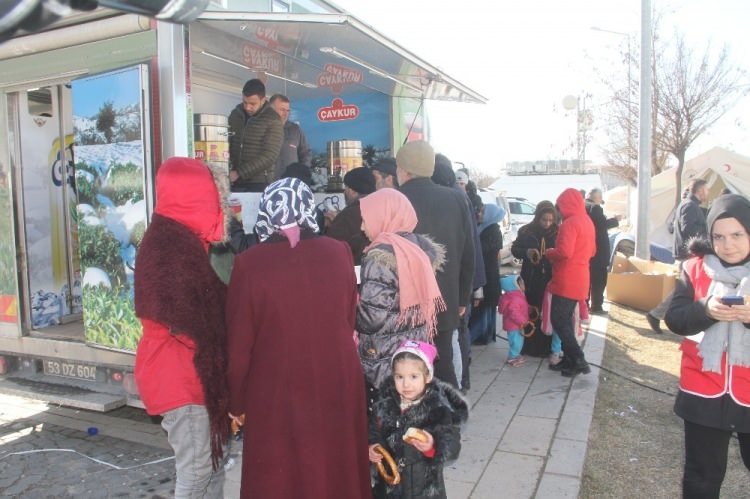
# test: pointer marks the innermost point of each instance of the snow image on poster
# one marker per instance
(110, 182)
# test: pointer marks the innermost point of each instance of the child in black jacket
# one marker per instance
(413, 399)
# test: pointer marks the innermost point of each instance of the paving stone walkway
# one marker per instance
(526, 437)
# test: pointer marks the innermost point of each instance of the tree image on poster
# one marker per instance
(8, 299)
(111, 205)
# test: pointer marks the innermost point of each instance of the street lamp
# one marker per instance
(627, 100)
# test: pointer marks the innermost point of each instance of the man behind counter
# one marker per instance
(255, 136)
(294, 148)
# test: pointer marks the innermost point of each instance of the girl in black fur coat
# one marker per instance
(413, 399)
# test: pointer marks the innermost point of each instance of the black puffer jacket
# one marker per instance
(378, 308)
(441, 412)
(255, 143)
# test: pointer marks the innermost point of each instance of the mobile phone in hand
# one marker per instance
(733, 300)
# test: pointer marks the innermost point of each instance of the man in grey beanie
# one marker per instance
(443, 215)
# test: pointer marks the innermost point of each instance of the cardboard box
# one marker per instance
(640, 284)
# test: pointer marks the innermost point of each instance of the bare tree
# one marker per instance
(694, 93)
(481, 178)
(688, 96)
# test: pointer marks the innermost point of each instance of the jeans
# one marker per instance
(458, 365)
(188, 432)
(556, 346)
(515, 343)
(561, 316)
(706, 459)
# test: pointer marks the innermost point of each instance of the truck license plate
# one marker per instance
(69, 370)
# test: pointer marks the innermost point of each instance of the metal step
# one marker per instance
(71, 396)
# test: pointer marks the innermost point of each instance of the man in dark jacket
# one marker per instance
(255, 135)
(294, 147)
(346, 225)
(384, 170)
(690, 219)
(600, 262)
(444, 215)
(689, 223)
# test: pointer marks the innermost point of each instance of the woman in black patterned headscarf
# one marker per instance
(293, 367)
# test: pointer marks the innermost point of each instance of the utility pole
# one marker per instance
(642, 246)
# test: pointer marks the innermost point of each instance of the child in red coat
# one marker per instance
(515, 310)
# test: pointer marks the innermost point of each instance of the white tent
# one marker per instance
(720, 167)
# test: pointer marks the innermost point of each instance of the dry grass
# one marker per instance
(635, 446)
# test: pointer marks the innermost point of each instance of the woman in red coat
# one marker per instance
(293, 367)
(570, 257)
(181, 357)
(714, 396)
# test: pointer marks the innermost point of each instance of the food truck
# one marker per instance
(93, 104)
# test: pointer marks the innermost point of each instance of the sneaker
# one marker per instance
(555, 358)
(579, 366)
(516, 361)
(654, 323)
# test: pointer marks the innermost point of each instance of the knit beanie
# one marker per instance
(360, 180)
(416, 157)
(386, 166)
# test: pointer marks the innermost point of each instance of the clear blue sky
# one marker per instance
(121, 88)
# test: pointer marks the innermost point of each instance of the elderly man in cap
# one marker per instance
(443, 215)
(346, 225)
(384, 170)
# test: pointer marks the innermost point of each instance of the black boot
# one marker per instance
(654, 323)
(565, 362)
(579, 366)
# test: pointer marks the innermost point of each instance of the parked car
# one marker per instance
(505, 224)
(521, 210)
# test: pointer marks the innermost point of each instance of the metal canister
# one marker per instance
(344, 155)
(212, 139)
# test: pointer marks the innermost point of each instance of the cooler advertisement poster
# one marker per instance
(112, 209)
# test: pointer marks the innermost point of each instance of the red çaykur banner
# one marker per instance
(337, 77)
(338, 111)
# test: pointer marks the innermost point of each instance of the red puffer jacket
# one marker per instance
(574, 247)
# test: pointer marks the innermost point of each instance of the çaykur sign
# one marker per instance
(336, 77)
(338, 111)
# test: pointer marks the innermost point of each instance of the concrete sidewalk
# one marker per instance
(527, 432)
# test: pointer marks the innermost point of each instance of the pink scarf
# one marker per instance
(385, 213)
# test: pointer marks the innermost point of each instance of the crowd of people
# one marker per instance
(348, 387)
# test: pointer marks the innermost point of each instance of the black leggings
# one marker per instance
(706, 459)
(561, 316)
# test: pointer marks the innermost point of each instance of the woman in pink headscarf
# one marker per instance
(399, 296)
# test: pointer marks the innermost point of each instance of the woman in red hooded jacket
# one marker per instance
(570, 258)
(180, 363)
